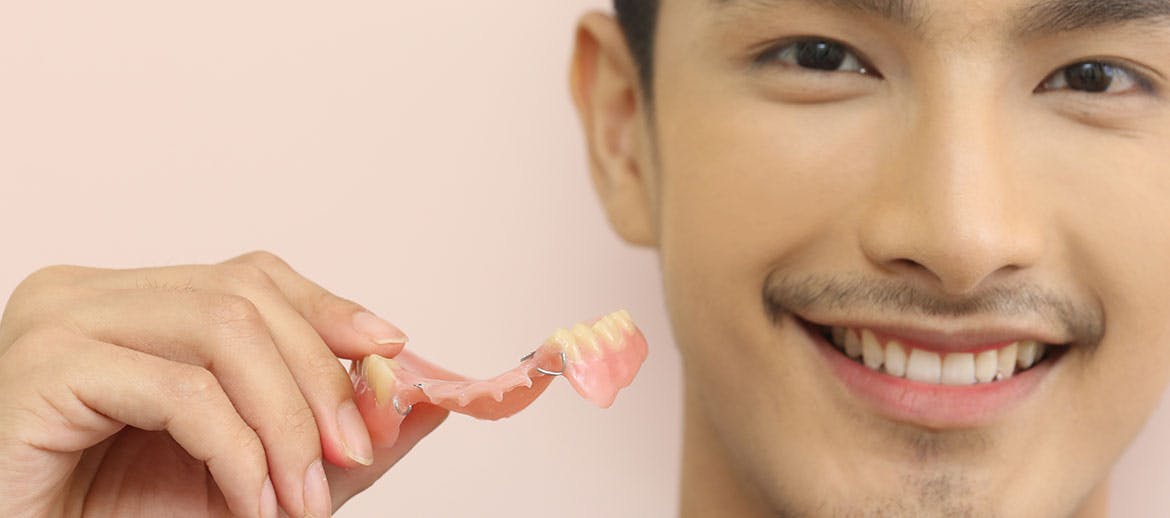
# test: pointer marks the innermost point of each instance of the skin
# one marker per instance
(120, 388)
(950, 176)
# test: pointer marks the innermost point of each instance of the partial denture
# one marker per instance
(598, 359)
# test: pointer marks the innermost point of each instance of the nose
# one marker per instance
(951, 209)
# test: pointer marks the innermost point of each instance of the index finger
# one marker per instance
(349, 329)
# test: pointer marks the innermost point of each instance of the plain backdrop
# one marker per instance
(421, 158)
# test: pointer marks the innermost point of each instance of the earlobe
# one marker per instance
(606, 91)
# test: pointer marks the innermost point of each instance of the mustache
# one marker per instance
(1083, 320)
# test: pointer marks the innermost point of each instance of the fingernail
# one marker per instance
(268, 507)
(318, 503)
(379, 331)
(354, 435)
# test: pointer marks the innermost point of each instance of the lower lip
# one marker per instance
(929, 405)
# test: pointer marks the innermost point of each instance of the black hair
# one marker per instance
(638, 19)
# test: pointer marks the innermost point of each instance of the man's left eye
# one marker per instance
(1095, 77)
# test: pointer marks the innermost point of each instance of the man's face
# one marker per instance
(955, 176)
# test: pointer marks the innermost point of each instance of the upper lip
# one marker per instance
(952, 335)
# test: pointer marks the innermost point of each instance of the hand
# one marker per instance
(205, 390)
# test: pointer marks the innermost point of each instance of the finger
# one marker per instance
(350, 330)
(321, 379)
(345, 483)
(229, 336)
(87, 389)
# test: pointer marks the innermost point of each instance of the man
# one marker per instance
(911, 251)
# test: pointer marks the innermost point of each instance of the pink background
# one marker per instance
(421, 158)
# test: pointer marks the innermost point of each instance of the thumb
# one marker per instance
(345, 483)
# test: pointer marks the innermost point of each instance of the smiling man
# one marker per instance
(914, 252)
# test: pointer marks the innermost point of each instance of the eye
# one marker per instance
(1097, 77)
(817, 54)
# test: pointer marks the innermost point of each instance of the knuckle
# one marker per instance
(196, 386)
(243, 275)
(264, 259)
(234, 316)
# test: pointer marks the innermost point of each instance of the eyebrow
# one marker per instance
(1044, 17)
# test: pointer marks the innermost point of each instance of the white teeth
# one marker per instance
(924, 366)
(958, 369)
(898, 360)
(895, 359)
(1027, 355)
(1007, 361)
(986, 363)
(623, 320)
(871, 349)
(852, 344)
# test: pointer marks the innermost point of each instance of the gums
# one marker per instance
(598, 359)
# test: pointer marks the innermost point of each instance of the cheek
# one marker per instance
(748, 184)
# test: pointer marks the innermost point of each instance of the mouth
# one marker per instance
(931, 381)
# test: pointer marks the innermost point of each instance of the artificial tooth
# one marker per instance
(564, 340)
(871, 350)
(986, 363)
(895, 359)
(958, 369)
(1007, 361)
(625, 323)
(586, 339)
(1027, 355)
(852, 344)
(924, 366)
(609, 336)
(379, 373)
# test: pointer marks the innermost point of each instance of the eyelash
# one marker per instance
(789, 49)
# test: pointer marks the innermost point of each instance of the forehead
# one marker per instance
(1025, 17)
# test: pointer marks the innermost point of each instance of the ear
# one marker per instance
(606, 90)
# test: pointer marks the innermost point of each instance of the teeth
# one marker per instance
(986, 363)
(379, 373)
(604, 329)
(565, 341)
(871, 349)
(924, 366)
(623, 321)
(958, 369)
(586, 340)
(1007, 361)
(1027, 355)
(895, 359)
(898, 360)
(838, 336)
(852, 344)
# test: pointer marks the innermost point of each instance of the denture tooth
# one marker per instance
(852, 344)
(1007, 361)
(895, 359)
(1027, 355)
(986, 364)
(958, 369)
(625, 323)
(379, 373)
(924, 366)
(565, 342)
(871, 350)
(609, 335)
(586, 339)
